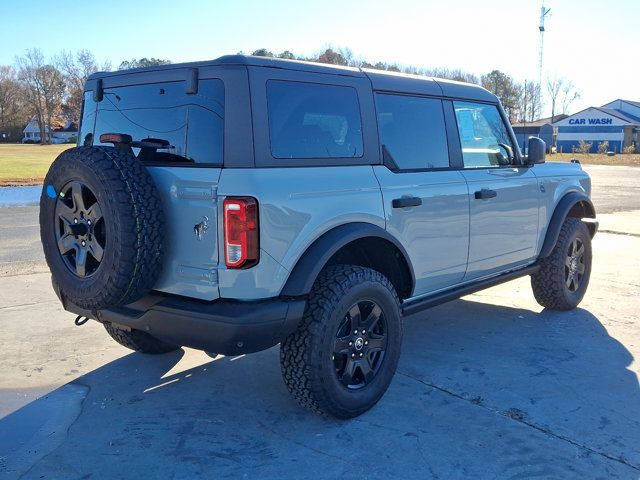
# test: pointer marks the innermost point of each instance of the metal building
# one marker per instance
(616, 122)
(542, 128)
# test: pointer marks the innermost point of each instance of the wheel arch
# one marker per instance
(573, 204)
(360, 244)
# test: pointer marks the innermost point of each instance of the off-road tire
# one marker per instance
(306, 356)
(133, 223)
(549, 282)
(138, 341)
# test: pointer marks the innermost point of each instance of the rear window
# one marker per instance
(308, 120)
(193, 125)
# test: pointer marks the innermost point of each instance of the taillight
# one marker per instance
(241, 241)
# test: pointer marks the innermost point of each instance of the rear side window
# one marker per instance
(412, 131)
(193, 125)
(308, 120)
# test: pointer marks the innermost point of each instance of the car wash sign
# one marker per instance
(591, 117)
(591, 121)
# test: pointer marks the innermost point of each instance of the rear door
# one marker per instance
(190, 118)
(426, 201)
(503, 196)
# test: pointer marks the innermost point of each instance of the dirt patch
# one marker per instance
(624, 160)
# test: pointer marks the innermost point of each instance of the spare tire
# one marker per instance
(101, 226)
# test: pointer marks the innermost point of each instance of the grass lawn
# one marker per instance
(26, 164)
(628, 160)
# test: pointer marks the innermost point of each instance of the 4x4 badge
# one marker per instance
(201, 228)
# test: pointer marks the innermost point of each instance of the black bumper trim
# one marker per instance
(228, 327)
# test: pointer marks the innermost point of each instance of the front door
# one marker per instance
(503, 196)
(426, 203)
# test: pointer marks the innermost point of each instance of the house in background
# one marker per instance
(542, 128)
(62, 132)
(616, 122)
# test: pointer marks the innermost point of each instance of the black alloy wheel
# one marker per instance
(360, 344)
(80, 229)
(574, 265)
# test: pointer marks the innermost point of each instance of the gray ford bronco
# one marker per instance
(239, 203)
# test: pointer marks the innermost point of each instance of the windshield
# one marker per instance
(192, 125)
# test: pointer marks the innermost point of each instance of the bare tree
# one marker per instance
(147, 62)
(44, 89)
(451, 74)
(332, 57)
(76, 69)
(531, 107)
(12, 109)
(561, 93)
(569, 95)
(554, 85)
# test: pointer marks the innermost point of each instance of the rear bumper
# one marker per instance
(228, 327)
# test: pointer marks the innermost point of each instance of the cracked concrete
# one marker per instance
(519, 416)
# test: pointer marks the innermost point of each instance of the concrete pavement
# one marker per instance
(490, 386)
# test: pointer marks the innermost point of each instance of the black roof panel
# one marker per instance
(380, 79)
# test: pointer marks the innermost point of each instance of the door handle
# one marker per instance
(485, 193)
(405, 202)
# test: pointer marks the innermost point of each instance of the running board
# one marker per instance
(415, 306)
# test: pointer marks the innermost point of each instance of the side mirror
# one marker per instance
(536, 150)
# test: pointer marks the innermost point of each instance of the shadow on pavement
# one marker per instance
(481, 390)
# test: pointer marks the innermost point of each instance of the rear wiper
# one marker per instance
(155, 143)
(148, 147)
(120, 140)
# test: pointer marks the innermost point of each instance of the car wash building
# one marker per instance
(617, 122)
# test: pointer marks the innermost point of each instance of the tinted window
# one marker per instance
(192, 124)
(412, 131)
(308, 120)
(482, 131)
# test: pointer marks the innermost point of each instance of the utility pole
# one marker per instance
(543, 13)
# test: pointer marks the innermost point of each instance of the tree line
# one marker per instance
(522, 101)
(50, 89)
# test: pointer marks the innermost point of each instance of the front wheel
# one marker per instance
(341, 359)
(562, 280)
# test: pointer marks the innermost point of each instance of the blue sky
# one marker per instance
(591, 42)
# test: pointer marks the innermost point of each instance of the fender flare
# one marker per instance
(313, 260)
(560, 213)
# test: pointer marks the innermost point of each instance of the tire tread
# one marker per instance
(548, 283)
(299, 357)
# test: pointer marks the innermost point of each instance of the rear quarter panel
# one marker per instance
(297, 205)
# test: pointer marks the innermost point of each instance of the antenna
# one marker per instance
(543, 13)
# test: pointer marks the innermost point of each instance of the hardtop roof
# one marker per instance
(380, 79)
